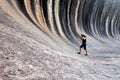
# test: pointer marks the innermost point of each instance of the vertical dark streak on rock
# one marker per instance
(21, 6)
(87, 9)
(45, 12)
(72, 16)
(63, 16)
(55, 25)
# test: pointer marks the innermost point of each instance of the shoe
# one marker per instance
(78, 53)
(86, 54)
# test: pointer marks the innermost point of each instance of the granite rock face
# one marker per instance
(39, 39)
(30, 60)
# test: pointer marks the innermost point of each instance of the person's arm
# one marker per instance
(84, 38)
(81, 37)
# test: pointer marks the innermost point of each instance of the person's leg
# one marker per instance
(80, 48)
(85, 50)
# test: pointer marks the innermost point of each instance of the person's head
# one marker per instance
(83, 35)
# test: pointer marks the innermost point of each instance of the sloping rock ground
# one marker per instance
(29, 60)
(25, 55)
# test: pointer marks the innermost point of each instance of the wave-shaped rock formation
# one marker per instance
(39, 39)
(68, 18)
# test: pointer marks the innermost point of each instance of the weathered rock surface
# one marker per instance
(38, 41)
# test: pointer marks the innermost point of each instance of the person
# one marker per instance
(83, 45)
